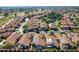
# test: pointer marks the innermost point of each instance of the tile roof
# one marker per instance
(33, 23)
(65, 39)
(43, 25)
(5, 34)
(51, 39)
(2, 29)
(75, 38)
(39, 40)
(13, 38)
(25, 40)
(51, 25)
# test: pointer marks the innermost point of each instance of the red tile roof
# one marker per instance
(39, 40)
(25, 40)
(13, 38)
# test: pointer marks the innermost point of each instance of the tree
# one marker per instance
(15, 14)
(46, 19)
(7, 45)
(6, 14)
(1, 39)
(25, 28)
(50, 32)
(58, 25)
(55, 16)
(74, 46)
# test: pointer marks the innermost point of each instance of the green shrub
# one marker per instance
(1, 39)
(25, 28)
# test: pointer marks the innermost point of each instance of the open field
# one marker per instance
(4, 19)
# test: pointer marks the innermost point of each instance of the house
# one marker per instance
(20, 14)
(13, 38)
(51, 25)
(14, 23)
(39, 42)
(74, 38)
(20, 18)
(7, 25)
(35, 17)
(10, 29)
(2, 29)
(70, 23)
(24, 42)
(10, 23)
(51, 41)
(5, 34)
(66, 23)
(43, 26)
(65, 42)
(58, 37)
(30, 35)
(33, 24)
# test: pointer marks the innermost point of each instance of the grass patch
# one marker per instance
(6, 18)
(53, 50)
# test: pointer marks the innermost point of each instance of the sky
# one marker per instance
(39, 3)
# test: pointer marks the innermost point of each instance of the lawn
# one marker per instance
(53, 50)
(5, 19)
(58, 26)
